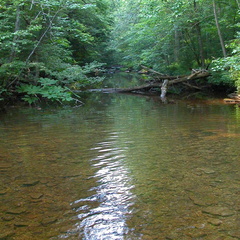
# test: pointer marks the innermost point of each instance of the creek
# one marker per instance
(121, 167)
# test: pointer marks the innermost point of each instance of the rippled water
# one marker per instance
(121, 167)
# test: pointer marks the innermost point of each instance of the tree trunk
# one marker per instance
(199, 36)
(219, 30)
(190, 43)
(177, 43)
(15, 38)
(200, 44)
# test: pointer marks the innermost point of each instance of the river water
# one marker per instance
(121, 167)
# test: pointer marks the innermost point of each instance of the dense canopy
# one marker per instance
(49, 47)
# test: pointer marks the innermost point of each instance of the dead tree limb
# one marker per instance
(164, 90)
(157, 84)
(152, 71)
(161, 76)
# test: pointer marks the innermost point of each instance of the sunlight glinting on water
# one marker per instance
(104, 214)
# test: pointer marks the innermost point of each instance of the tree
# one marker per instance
(219, 30)
(175, 36)
(170, 35)
(229, 67)
(48, 40)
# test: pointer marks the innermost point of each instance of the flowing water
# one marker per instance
(121, 167)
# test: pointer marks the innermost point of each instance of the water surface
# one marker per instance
(121, 167)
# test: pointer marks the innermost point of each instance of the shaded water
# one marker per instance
(121, 167)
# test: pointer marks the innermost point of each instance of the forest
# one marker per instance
(49, 48)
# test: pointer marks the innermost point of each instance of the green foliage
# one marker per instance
(176, 68)
(80, 77)
(222, 77)
(48, 45)
(11, 71)
(47, 89)
(171, 36)
(2, 91)
(229, 68)
(64, 41)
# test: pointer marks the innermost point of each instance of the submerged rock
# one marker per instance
(218, 211)
(48, 221)
(215, 222)
(30, 183)
(206, 201)
(21, 224)
(52, 184)
(44, 181)
(198, 201)
(206, 170)
(72, 176)
(8, 218)
(235, 234)
(196, 235)
(16, 211)
(5, 166)
(3, 191)
(36, 195)
(6, 234)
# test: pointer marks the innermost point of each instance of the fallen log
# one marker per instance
(194, 76)
(144, 87)
(234, 98)
(157, 84)
(232, 101)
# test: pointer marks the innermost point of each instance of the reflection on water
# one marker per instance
(107, 220)
(121, 167)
